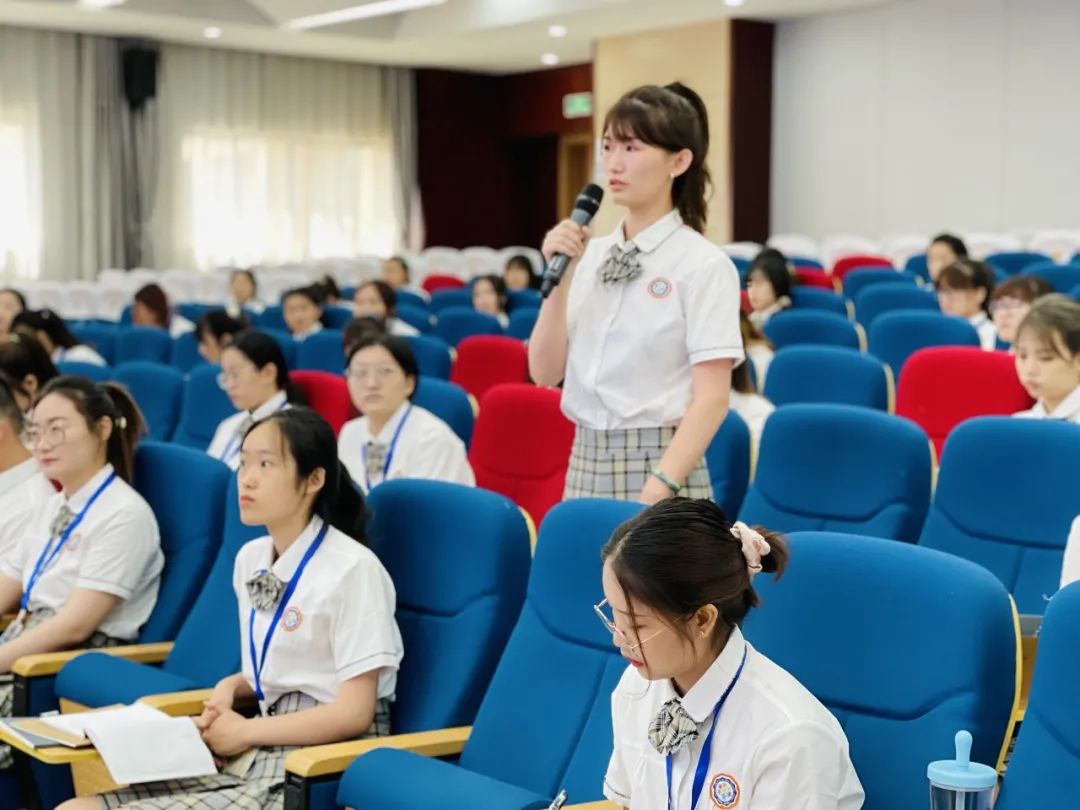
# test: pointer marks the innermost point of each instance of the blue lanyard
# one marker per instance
(257, 662)
(233, 447)
(49, 554)
(706, 751)
(389, 453)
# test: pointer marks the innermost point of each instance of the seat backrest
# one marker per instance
(454, 324)
(158, 390)
(523, 299)
(484, 361)
(458, 296)
(814, 278)
(806, 262)
(203, 408)
(917, 265)
(1005, 497)
(146, 343)
(189, 518)
(913, 645)
(449, 402)
(840, 468)
(728, 460)
(284, 338)
(895, 336)
(418, 318)
(337, 316)
(878, 299)
(185, 352)
(458, 593)
(551, 694)
(812, 298)
(432, 355)
(1044, 770)
(521, 446)
(411, 299)
(99, 337)
(522, 321)
(439, 282)
(321, 352)
(848, 263)
(858, 280)
(1011, 262)
(74, 368)
(941, 387)
(207, 647)
(794, 327)
(1062, 277)
(327, 394)
(827, 374)
(273, 317)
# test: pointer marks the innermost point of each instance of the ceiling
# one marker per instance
(484, 35)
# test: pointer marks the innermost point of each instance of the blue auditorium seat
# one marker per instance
(158, 390)
(858, 280)
(828, 374)
(146, 343)
(814, 298)
(1013, 262)
(522, 321)
(1062, 277)
(416, 317)
(98, 374)
(432, 355)
(895, 336)
(881, 298)
(454, 324)
(185, 352)
(99, 337)
(203, 408)
(728, 460)
(321, 352)
(794, 327)
(449, 402)
(444, 299)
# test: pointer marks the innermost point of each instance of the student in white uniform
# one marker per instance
(86, 573)
(243, 294)
(396, 273)
(24, 489)
(395, 438)
(1048, 358)
(643, 331)
(759, 349)
(12, 302)
(768, 286)
(1011, 302)
(302, 309)
(54, 336)
(677, 584)
(318, 640)
(377, 299)
(256, 378)
(216, 330)
(489, 297)
(750, 405)
(963, 289)
(26, 362)
(151, 307)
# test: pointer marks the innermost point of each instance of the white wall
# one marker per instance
(928, 114)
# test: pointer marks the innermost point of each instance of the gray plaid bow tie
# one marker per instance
(376, 457)
(62, 520)
(672, 729)
(621, 264)
(264, 589)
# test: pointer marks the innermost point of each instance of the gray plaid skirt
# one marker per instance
(615, 464)
(251, 781)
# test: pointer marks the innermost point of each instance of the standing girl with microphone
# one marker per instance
(644, 330)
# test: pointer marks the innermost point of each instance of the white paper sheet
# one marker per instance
(147, 749)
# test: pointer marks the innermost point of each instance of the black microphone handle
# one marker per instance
(556, 268)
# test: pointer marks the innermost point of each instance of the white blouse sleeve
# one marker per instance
(802, 767)
(440, 456)
(711, 303)
(617, 779)
(121, 552)
(365, 635)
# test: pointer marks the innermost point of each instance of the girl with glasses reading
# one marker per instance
(699, 711)
(256, 378)
(395, 438)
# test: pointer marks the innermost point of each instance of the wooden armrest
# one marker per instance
(593, 806)
(1029, 648)
(179, 704)
(321, 760)
(36, 666)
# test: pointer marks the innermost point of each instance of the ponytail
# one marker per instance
(261, 349)
(95, 402)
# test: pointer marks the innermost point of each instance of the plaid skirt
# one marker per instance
(615, 464)
(251, 781)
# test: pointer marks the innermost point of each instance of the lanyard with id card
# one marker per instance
(389, 453)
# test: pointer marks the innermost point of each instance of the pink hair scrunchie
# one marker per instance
(754, 546)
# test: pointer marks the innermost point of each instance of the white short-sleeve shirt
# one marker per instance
(339, 622)
(1070, 569)
(632, 343)
(1067, 411)
(396, 326)
(80, 353)
(426, 448)
(986, 330)
(24, 491)
(115, 549)
(179, 325)
(225, 446)
(314, 329)
(775, 747)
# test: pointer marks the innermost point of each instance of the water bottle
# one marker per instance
(960, 784)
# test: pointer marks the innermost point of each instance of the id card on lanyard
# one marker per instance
(389, 452)
(259, 661)
(49, 553)
(702, 769)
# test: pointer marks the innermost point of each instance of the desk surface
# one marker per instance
(53, 754)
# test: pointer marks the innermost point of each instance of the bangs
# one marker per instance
(954, 278)
(635, 117)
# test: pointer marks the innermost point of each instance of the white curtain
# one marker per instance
(271, 159)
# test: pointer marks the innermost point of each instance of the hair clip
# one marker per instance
(120, 422)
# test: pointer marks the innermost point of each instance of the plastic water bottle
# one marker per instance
(960, 784)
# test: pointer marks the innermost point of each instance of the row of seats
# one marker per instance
(483, 627)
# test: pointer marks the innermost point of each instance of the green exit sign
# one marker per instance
(577, 105)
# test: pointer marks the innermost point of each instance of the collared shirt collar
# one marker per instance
(275, 403)
(703, 696)
(649, 239)
(284, 567)
(1068, 409)
(78, 499)
(387, 433)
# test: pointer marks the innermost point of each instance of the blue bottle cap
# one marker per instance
(961, 773)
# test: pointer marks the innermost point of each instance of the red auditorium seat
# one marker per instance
(438, 281)
(848, 263)
(484, 361)
(326, 393)
(521, 446)
(744, 302)
(811, 277)
(942, 386)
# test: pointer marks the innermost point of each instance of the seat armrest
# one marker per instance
(179, 704)
(593, 806)
(42, 664)
(321, 760)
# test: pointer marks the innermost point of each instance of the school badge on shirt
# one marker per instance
(292, 619)
(724, 791)
(659, 287)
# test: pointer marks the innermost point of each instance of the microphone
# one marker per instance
(585, 208)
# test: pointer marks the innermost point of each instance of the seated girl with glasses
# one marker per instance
(395, 438)
(86, 573)
(256, 378)
(319, 645)
(699, 710)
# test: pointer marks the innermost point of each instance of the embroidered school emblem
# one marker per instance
(724, 791)
(659, 287)
(292, 619)
(73, 542)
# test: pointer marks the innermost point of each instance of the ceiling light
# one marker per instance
(380, 8)
(549, 59)
(213, 32)
(557, 31)
(101, 3)
(733, 3)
